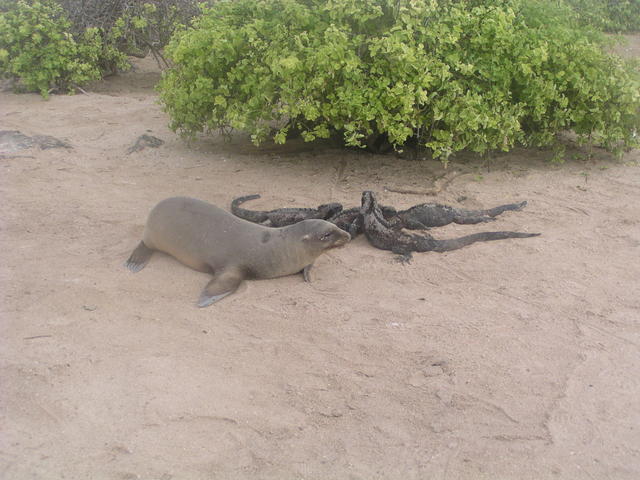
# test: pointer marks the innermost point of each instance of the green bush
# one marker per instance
(59, 45)
(609, 15)
(37, 49)
(463, 74)
(132, 27)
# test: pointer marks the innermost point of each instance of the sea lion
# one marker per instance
(212, 240)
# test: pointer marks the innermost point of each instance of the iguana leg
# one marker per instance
(355, 227)
(415, 225)
(403, 256)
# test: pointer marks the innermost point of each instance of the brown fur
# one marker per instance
(212, 240)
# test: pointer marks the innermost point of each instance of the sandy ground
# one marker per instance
(516, 359)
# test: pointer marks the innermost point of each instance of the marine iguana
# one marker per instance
(420, 217)
(426, 215)
(381, 234)
(350, 220)
(281, 217)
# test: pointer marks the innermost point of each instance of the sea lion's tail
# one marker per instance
(456, 243)
(138, 258)
(251, 215)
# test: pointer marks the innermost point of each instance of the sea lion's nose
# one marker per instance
(345, 238)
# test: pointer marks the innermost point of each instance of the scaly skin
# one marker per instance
(426, 215)
(381, 234)
(281, 217)
(350, 220)
(418, 217)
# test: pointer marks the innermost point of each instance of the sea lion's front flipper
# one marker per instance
(305, 273)
(221, 285)
(138, 258)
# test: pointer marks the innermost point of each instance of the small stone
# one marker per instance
(144, 141)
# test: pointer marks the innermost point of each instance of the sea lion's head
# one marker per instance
(320, 235)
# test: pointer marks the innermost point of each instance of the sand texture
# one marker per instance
(515, 359)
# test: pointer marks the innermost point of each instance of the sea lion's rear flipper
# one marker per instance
(221, 285)
(138, 258)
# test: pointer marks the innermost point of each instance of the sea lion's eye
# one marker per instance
(326, 236)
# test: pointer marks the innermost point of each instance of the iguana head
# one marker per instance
(369, 202)
(370, 208)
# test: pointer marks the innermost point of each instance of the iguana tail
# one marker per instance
(456, 243)
(254, 216)
(494, 212)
